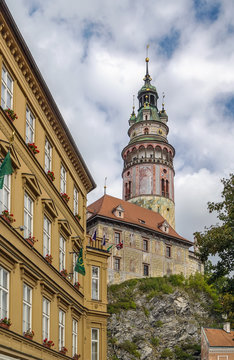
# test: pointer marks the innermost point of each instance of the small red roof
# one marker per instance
(219, 337)
(133, 214)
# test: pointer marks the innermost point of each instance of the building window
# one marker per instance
(95, 282)
(168, 251)
(117, 264)
(7, 89)
(61, 328)
(76, 199)
(45, 319)
(5, 194)
(28, 215)
(46, 236)
(95, 344)
(145, 245)
(30, 126)
(48, 156)
(4, 293)
(27, 308)
(75, 273)
(163, 187)
(145, 270)
(63, 179)
(62, 252)
(74, 336)
(117, 238)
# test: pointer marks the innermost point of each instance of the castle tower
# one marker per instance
(148, 173)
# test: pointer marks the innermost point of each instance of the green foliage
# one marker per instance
(180, 354)
(166, 354)
(219, 239)
(187, 351)
(146, 311)
(114, 357)
(157, 285)
(158, 324)
(125, 304)
(130, 347)
(155, 341)
(137, 338)
(112, 340)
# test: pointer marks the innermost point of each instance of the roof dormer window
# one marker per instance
(119, 212)
(164, 226)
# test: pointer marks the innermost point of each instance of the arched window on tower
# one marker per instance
(128, 189)
(163, 187)
(152, 99)
(158, 152)
(146, 130)
(167, 189)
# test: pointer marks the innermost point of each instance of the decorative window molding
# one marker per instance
(28, 276)
(4, 148)
(31, 185)
(49, 208)
(47, 290)
(64, 227)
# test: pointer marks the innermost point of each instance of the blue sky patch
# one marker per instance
(169, 43)
(206, 11)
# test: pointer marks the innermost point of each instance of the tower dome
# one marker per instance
(148, 173)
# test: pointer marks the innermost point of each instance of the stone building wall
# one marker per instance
(132, 256)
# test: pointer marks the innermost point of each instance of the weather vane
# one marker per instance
(105, 185)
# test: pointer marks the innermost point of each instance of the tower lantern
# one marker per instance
(148, 173)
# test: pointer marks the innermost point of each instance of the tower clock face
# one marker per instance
(160, 132)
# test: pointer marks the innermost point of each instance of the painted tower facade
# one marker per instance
(148, 173)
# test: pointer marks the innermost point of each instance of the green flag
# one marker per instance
(108, 249)
(5, 168)
(80, 263)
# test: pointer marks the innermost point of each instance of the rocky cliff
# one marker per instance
(160, 318)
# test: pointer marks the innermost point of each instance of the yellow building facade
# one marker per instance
(41, 296)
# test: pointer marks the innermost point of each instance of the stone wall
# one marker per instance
(132, 257)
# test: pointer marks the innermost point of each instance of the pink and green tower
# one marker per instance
(148, 174)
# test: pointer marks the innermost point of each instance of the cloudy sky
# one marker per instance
(91, 54)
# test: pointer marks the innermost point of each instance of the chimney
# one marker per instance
(226, 327)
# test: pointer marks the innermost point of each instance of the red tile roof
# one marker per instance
(219, 337)
(133, 214)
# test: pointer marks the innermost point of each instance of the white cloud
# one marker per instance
(93, 78)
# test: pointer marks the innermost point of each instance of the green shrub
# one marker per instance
(121, 305)
(157, 284)
(158, 324)
(130, 347)
(166, 354)
(146, 311)
(112, 340)
(155, 341)
(176, 280)
(180, 354)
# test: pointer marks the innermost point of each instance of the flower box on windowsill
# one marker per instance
(48, 343)
(76, 357)
(63, 350)
(5, 323)
(49, 258)
(78, 217)
(29, 334)
(77, 285)
(65, 197)
(64, 273)
(50, 175)
(31, 240)
(7, 216)
(11, 114)
(33, 148)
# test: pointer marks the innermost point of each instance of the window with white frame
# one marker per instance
(117, 263)
(27, 308)
(28, 215)
(117, 238)
(45, 319)
(61, 328)
(48, 156)
(74, 336)
(76, 198)
(95, 282)
(75, 273)
(5, 194)
(63, 179)
(95, 344)
(7, 89)
(46, 236)
(4, 293)
(30, 126)
(62, 253)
